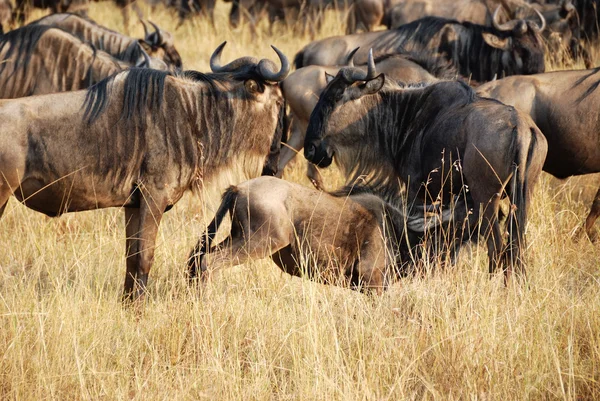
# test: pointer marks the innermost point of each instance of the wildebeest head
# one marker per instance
(159, 44)
(339, 107)
(521, 43)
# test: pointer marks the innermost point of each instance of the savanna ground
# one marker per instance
(255, 333)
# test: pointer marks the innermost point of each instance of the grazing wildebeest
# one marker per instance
(478, 52)
(436, 140)
(301, 90)
(564, 105)
(351, 234)
(139, 140)
(158, 44)
(36, 60)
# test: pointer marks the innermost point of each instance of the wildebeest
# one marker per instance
(158, 44)
(38, 59)
(564, 105)
(139, 140)
(478, 52)
(351, 235)
(301, 90)
(437, 140)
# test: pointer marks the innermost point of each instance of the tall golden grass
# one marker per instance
(255, 333)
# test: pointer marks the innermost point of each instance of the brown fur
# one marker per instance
(356, 239)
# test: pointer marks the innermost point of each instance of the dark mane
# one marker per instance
(21, 43)
(142, 88)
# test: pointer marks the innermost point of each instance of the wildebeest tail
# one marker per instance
(527, 168)
(206, 239)
(299, 59)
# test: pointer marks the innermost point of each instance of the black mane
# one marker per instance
(143, 87)
(21, 43)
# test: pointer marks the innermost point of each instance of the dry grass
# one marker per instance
(255, 333)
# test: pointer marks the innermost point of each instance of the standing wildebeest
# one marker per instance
(477, 52)
(36, 60)
(564, 105)
(437, 140)
(139, 140)
(352, 234)
(158, 44)
(301, 90)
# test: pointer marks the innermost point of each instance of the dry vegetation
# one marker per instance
(255, 333)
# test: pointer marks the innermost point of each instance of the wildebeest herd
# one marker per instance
(434, 124)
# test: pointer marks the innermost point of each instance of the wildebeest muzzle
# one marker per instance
(317, 152)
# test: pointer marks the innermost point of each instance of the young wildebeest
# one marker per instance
(478, 52)
(301, 90)
(437, 139)
(36, 60)
(139, 140)
(158, 44)
(564, 105)
(358, 237)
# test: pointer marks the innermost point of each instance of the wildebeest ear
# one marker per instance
(373, 85)
(328, 77)
(495, 41)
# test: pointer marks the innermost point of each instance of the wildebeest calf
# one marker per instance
(358, 238)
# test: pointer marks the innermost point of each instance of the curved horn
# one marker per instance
(371, 70)
(501, 27)
(215, 61)
(535, 26)
(159, 38)
(350, 58)
(145, 28)
(266, 71)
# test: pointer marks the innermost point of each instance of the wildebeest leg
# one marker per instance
(149, 216)
(591, 218)
(371, 267)
(292, 146)
(490, 229)
(235, 251)
(132, 223)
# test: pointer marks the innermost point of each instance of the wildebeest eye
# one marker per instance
(251, 86)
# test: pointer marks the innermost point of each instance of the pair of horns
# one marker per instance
(353, 74)
(159, 37)
(265, 67)
(510, 25)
